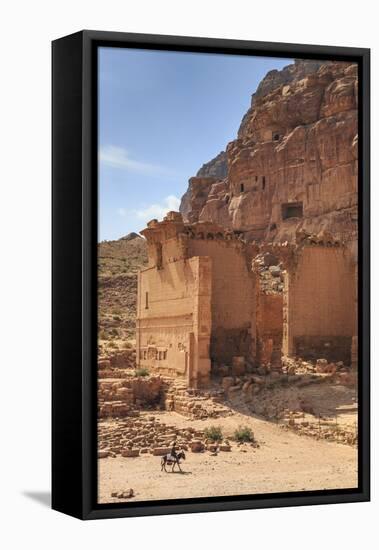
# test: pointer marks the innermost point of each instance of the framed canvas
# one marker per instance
(210, 275)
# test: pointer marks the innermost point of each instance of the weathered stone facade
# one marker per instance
(195, 300)
(209, 299)
(319, 318)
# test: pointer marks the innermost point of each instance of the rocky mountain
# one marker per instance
(118, 264)
(215, 169)
(294, 163)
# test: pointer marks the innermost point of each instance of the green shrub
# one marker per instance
(213, 433)
(142, 371)
(243, 434)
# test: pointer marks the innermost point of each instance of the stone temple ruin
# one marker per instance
(209, 299)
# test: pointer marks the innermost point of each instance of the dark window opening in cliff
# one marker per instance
(263, 182)
(292, 210)
(227, 199)
(242, 186)
(276, 137)
(146, 300)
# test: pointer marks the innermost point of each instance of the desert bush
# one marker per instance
(214, 433)
(243, 434)
(142, 371)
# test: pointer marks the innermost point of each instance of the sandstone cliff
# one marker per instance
(294, 163)
(211, 171)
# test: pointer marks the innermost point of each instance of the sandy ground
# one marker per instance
(283, 462)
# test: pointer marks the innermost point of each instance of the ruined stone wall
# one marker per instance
(233, 298)
(319, 305)
(173, 319)
(269, 328)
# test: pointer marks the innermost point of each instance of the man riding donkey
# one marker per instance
(173, 457)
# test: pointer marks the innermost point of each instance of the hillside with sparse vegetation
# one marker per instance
(118, 264)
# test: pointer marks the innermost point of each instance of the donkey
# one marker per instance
(169, 459)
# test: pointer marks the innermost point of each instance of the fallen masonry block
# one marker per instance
(130, 452)
(224, 448)
(238, 365)
(129, 493)
(233, 390)
(160, 451)
(227, 382)
(103, 454)
(196, 446)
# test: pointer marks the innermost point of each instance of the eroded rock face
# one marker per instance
(199, 187)
(294, 163)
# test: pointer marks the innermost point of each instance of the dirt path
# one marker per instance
(284, 462)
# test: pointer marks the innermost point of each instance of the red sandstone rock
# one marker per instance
(296, 149)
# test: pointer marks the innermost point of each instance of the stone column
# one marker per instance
(202, 322)
(287, 347)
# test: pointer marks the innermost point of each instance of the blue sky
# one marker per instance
(161, 116)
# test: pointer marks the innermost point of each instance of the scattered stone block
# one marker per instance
(197, 446)
(227, 382)
(103, 454)
(129, 493)
(238, 365)
(160, 451)
(130, 452)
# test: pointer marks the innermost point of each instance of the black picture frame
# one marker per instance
(74, 272)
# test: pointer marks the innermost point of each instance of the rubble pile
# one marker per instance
(195, 404)
(111, 359)
(270, 272)
(338, 371)
(122, 397)
(320, 428)
(132, 437)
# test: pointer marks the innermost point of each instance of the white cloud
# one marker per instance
(156, 210)
(118, 157)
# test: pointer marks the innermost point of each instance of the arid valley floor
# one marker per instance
(283, 462)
